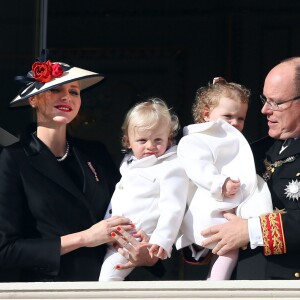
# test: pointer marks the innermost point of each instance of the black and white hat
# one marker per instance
(46, 75)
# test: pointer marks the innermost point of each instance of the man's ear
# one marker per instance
(206, 114)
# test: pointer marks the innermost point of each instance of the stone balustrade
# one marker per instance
(153, 290)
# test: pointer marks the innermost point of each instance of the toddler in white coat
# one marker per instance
(219, 161)
(153, 189)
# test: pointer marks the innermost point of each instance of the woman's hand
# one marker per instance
(134, 248)
(100, 233)
(96, 235)
(231, 235)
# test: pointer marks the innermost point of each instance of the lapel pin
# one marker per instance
(93, 170)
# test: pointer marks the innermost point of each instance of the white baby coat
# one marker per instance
(153, 194)
(210, 153)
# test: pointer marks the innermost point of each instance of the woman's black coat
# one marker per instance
(39, 203)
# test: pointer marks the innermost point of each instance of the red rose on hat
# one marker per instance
(57, 70)
(42, 71)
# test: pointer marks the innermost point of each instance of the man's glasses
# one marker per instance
(275, 105)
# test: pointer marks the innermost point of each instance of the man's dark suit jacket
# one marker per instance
(253, 264)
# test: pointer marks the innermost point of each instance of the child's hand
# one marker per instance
(157, 251)
(230, 187)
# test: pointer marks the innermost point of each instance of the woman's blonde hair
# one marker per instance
(209, 96)
(147, 115)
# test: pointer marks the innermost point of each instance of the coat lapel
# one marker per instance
(88, 171)
(94, 183)
(291, 150)
(90, 195)
(273, 153)
(44, 162)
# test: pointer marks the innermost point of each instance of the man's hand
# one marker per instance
(228, 236)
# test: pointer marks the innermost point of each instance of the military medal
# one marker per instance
(271, 167)
(292, 190)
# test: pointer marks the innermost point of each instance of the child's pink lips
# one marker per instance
(63, 108)
(149, 153)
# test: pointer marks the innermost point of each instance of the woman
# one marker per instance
(55, 189)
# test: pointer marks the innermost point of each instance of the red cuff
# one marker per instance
(273, 235)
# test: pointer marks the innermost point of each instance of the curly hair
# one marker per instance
(209, 96)
(147, 115)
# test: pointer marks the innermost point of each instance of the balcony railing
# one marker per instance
(153, 290)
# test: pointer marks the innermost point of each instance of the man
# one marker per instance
(274, 238)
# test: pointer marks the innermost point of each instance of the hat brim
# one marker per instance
(85, 77)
